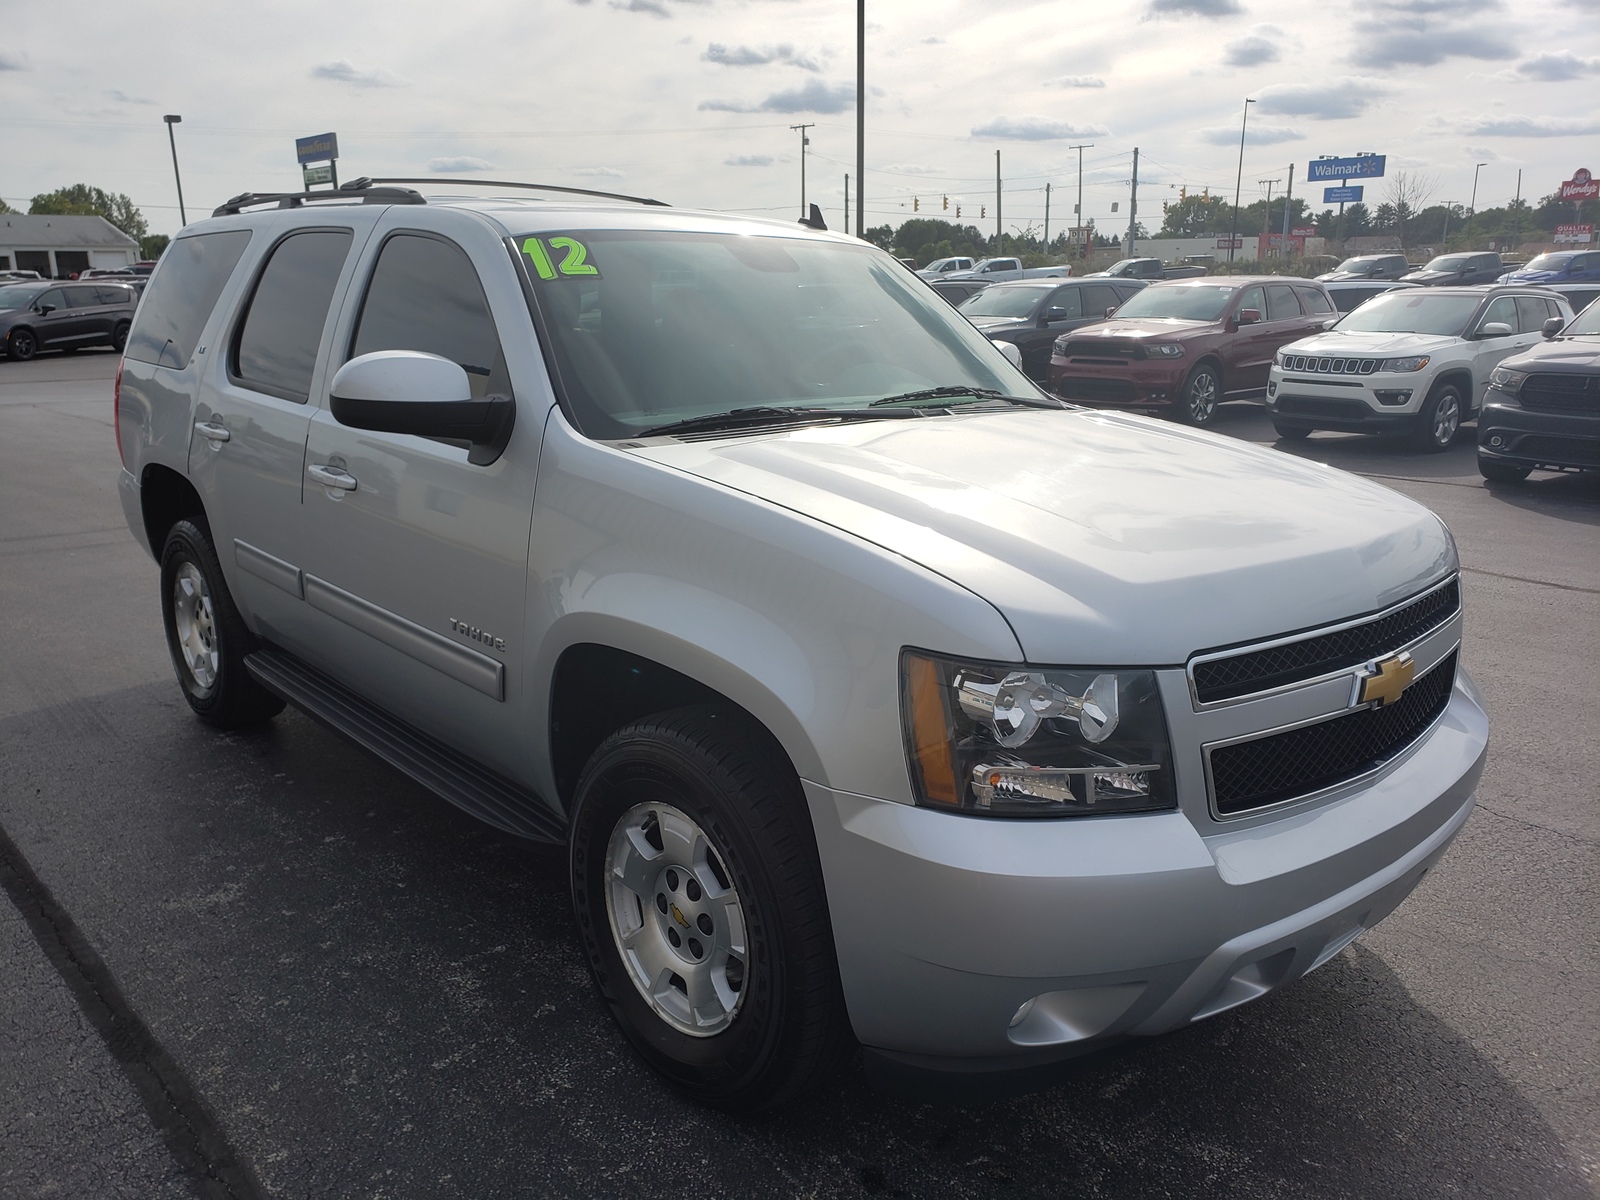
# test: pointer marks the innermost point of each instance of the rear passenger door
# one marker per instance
(247, 455)
(415, 558)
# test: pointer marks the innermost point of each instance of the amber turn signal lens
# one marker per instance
(930, 731)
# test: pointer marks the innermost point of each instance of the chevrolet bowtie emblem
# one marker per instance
(1381, 682)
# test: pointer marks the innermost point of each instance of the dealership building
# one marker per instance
(60, 247)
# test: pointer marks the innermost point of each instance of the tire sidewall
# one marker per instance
(1186, 411)
(1450, 392)
(119, 337)
(22, 345)
(640, 771)
(189, 543)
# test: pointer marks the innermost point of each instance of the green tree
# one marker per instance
(81, 200)
(5, 208)
(1357, 220)
(153, 245)
(880, 235)
(1196, 216)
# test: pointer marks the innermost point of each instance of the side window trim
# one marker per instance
(364, 284)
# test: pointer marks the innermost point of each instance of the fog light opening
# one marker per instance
(1393, 398)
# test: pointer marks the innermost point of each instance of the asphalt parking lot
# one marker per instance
(264, 965)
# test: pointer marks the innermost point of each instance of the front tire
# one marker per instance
(1502, 472)
(119, 337)
(1202, 391)
(700, 903)
(206, 636)
(1441, 420)
(21, 345)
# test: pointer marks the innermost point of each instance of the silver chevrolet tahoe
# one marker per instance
(879, 698)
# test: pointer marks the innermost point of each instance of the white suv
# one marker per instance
(1414, 361)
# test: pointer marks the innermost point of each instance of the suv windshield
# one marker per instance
(1359, 266)
(1548, 262)
(18, 297)
(1585, 323)
(649, 328)
(1178, 303)
(1449, 262)
(1003, 302)
(1412, 311)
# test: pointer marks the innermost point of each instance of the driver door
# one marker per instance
(1487, 352)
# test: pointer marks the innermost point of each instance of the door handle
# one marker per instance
(215, 432)
(332, 477)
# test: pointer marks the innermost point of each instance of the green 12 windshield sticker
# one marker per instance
(574, 258)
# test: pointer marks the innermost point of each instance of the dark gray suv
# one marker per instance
(63, 316)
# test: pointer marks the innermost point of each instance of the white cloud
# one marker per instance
(1540, 127)
(749, 160)
(1036, 129)
(1555, 68)
(813, 96)
(1194, 8)
(1076, 81)
(1332, 100)
(343, 72)
(913, 169)
(759, 56)
(11, 62)
(600, 172)
(1257, 134)
(1250, 51)
(457, 163)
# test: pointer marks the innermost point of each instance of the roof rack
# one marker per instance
(244, 200)
(356, 185)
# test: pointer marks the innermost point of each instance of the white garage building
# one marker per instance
(60, 247)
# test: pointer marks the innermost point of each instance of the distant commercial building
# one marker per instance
(60, 247)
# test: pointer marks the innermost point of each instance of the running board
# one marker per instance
(489, 796)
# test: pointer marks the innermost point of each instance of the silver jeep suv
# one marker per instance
(879, 698)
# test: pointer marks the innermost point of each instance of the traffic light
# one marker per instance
(1183, 194)
(916, 204)
(947, 204)
(983, 211)
(958, 212)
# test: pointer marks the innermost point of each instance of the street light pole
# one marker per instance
(1472, 205)
(1077, 213)
(861, 118)
(1239, 180)
(804, 142)
(171, 120)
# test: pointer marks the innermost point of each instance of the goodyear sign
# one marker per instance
(1335, 170)
(320, 147)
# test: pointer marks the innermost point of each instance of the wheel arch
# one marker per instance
(165, 498)
(1462, 378)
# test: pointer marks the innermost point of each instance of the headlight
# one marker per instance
(1165, 350)
(1503, 379)
(1415, 363)
(1059, 347)
(1003, 740)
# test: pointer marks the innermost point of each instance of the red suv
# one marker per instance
(1186, 345)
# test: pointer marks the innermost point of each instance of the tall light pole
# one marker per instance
(861, 117)
(1239, 180)
(804, 142)
(172, 119)
(1472, 205)
(1078, 212)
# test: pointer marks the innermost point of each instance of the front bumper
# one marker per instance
(1526, 437)
(946, 926)
(1139, 383)
(1390, 403)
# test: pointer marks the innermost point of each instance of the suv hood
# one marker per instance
(1164, 328)
(1103, 538)
(1581, 353)
(999, 324)
(1334, 342)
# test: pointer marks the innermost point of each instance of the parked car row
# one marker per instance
(64, 316)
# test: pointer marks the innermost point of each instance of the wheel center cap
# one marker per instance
(677, 915)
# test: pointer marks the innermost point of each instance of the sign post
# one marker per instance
(319, 148)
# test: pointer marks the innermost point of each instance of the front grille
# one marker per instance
(1282, 766)
(1570, 452)
(1315, 365)
(1561, 393)
(1253, 671)
(1121, 351)
(1323, 406)
(1075, 388)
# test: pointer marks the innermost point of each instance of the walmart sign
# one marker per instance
(1336, 170)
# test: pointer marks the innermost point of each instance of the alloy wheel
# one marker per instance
(195, 622)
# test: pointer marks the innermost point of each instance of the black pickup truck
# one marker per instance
(1151, 268)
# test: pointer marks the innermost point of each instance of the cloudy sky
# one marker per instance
(692, 101)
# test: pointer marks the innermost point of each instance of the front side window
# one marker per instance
(1502, 309)
(276, 348)
(55, 298)
(1064, 304)
(181, 295)
(1256, 298)
(425, 295)
(650, 327)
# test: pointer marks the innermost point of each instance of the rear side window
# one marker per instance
(83, 296)
(424, 295)
(1313, 301)
(1532, 313)
(182, 293)
(115, 295)
(1097, 297)
(1281, 304)
(276, 349)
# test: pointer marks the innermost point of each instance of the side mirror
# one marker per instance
(1249, 316)
(1111, 308)
(1012, 354)
(406, 391)
(45, 310)
(1552, 326)
(1494, 329)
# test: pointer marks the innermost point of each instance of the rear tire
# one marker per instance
(1202, 392)
(700, 903)
(206, 636)
(1502, 472)
(1441, 420)
(119, 337)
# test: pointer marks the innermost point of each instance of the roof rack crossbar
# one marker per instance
(395, 195)
(356, 185)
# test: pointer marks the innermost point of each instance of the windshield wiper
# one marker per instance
(977, 393)
(764, 414)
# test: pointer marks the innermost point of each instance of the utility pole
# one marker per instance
(171, 141)
(861, 116)
(999, 235)
(1516, 209)
(847, 204)
(1077, 213)
(1288, 203)
(804, 142)
(1047, 218)
(1266, 221)
(1239, 179)
(1133, 204)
